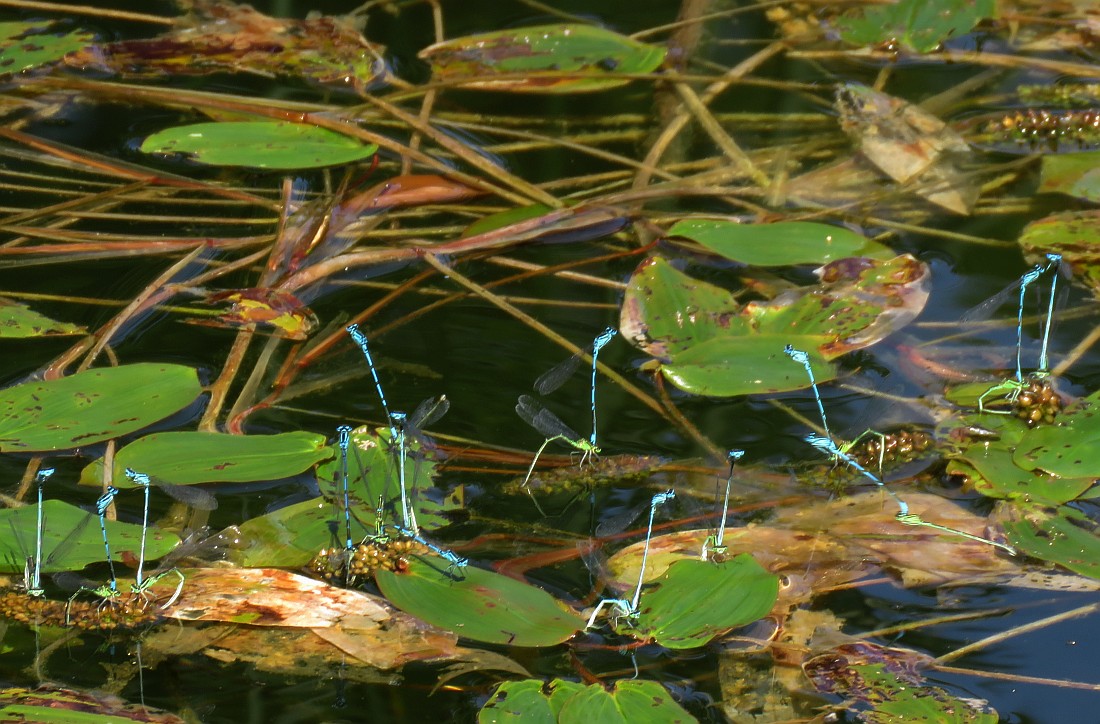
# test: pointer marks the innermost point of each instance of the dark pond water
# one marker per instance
(482, 359)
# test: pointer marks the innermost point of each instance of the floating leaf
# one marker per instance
(184, 458)
(1069, 449)
(628, 702)
(1073, 174)
(92, 406)
(710, 344)
(991, 472)
(887, 687)
(219, 37)
(64, 552)
(28, 45)
(479, 604)
(1060, 535)
(918, 25)
(522, 702)
(259, 144)
(1075, 235)
(267, 308)
(532, 700)
(780, 244)
(695, 600)
(20, 321)
(544, 59)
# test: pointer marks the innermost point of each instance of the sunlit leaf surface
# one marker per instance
(28, 45)
(1073, 174)
(183, 458)
(695, 600)
(259, 144)
(20, 321)
(92, 406)
(710, 344)
(1074, 235)
(478, 604)
(1061, 535)
(542, 59)
(915, 24)
(781, 244)
(50, 704)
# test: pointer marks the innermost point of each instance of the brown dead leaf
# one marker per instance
(909, 145)
(219, 36)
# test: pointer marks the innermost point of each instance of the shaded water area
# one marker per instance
(711, 182)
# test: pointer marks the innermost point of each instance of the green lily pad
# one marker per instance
(1068, 449)
(991, 472)
(695, 600)
(185, 458)
(1072, 174)
(1061, 535)
(918, 25)
(92, 406)
(780, 244)
(259, 144)
(28, 45)
(562, 58)
(710, 344)
(20, 321)
(71, 538)
(478, 604)
(522, 702)
(532, 700)
(628, 702)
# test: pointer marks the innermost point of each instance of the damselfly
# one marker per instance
(714, 544)
(556, 376)
(629, 609)
(195, 497)
(551, 426)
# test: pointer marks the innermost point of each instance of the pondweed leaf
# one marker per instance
(708, 343)
(187, 457)
(479, 604)
(785, 243)
(92, 406)
(259, 144)
(543, 59)
(20, 321)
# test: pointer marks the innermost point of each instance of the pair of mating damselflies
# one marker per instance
(109, 592)
(550, 425)
(402, 429)
(621, 607)
(828, 446)
(1010, 389)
